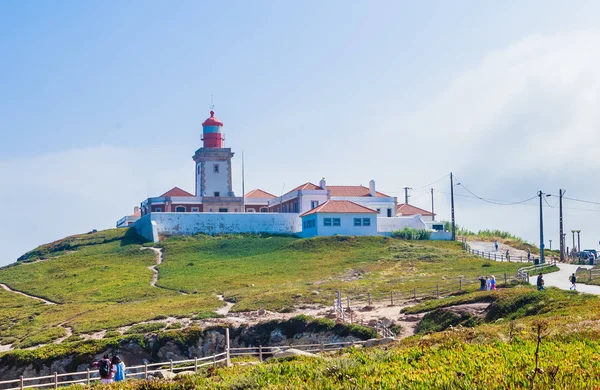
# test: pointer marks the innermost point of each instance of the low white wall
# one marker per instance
(146, 228)
(388, 225)
(217, 223)
(441, 236)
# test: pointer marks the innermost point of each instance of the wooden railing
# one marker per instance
(261, 352)
(141, 371)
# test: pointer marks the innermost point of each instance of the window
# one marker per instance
(336, 222)
(357, 222)
(158, 209)
(195, 209)
(264, 210)
(296, 207)
(250, 210)
(308, 224)
(180, 209)
(326, 221)
(216, 168)
(313, 204)
(378, 211)
(366, 221)
(222, 210)
(389, 212)
(217, 194)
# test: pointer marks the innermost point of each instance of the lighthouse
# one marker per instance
(213, 170)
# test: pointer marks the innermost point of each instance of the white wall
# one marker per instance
(216, 223)
(387, 225)
(216, 181)
(346, 227)
(372, 202)
(441, 236)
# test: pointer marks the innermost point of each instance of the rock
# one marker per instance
(170, 351)
(290, 353)
(261, 312)
(165, 374)
(184, 373)
(314, 293)
(374, 342)
(276, 336)
(297, 296)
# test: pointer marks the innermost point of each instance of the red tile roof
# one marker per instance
(340, 206)
(258, 193)
(306, 186)
(176, 191)
(353, 191)
(407, 209)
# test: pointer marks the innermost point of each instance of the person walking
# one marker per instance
(493, 282)
(488, 283)
(105, 369)
(481, 283)
(528, 255)
(119, 368)
(507, 255)
(573, 280)
(540, 282)
(496, 245)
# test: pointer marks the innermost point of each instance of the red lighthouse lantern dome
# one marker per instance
(211, 129)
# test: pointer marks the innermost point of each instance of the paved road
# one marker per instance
(560, 279)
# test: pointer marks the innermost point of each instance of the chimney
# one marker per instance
(136, 209)
(323, 184)
(372, 188)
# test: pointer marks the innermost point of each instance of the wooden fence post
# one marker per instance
(392, 296)
(322, 346)
(87, 379)
(348, 301)
(415, 293)
(260, 355)
(55, 380)
(437, 290)
(21, 381)
(369, 298)
(171, 365)
(495, 257)
(145, 370)
(505, 279)
(196, 364)
(590, 274)
(215, 359)
(460, 284)
(227, 347)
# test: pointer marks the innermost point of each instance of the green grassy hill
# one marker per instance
(101, 281)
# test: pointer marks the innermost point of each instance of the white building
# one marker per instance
(339, 217)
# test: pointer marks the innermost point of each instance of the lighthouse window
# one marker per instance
(216, 168)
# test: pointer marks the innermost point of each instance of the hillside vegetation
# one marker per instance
(101, 281)
(499, 353)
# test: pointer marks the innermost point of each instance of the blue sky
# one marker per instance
(101, 104)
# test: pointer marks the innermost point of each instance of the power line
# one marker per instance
(495, 201)
(583, 201)
(433, 182)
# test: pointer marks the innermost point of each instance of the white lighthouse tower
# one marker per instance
(213, 170)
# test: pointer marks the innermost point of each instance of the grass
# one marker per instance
(102, 281)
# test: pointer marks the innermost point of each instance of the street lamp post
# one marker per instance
(550, 244)
(578, 240)
(573, 247)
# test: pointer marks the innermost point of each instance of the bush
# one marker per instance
(145, 328)
(207, 314)
(412, 234)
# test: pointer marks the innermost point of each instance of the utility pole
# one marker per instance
(432, 213)
(540, 193)
(406, 194)
(561, 192)
(550, 244)
(452, 206)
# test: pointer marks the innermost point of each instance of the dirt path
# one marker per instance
(47, 302)
(69, 334)
(152, 268)
(225, 309)
(488, 247)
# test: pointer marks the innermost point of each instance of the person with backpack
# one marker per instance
(573, 280)
(119, 368)
(540, 282)
(105, 369)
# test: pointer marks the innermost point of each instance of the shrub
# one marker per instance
(412, 234)
(145, 328)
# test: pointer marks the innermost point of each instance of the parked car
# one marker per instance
(591, 251)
